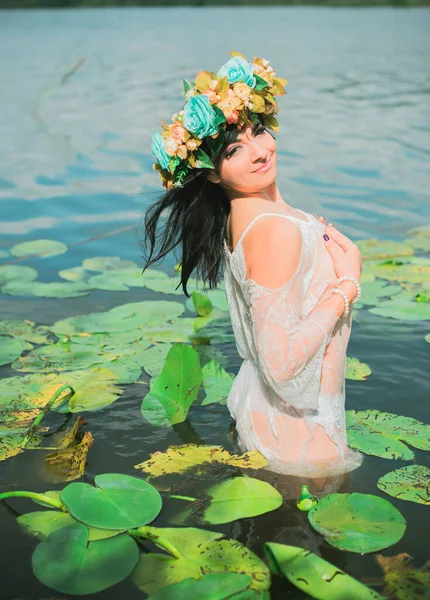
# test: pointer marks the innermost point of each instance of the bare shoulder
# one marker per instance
(272, 248)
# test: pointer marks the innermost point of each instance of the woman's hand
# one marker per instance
(321, 219)
(345, 254)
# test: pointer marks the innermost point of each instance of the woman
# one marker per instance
(289, 279)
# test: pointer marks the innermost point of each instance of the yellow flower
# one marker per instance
(242, 90)
(182, 151)
(191, 144)
(171, 146)
(178, 132)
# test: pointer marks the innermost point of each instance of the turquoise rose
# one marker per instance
(238, 69)
(159, 150)
(199, 117)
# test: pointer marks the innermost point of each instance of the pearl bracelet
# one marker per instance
(355, 282)
(336, 290)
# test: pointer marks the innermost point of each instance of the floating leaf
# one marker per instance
(41, 523)
(202, 305)
(356, 370)
(48, 290)
(16, 273)
(373, 291)
(115, 502)
(107, 263)
(83, 567)
(68, 461)
(10, 349)
(153, 359)
(382, 434)
(178, 459)
(403, 582)
(314, 575)
(42, 248)
(404, 309)
(175, 389)
(213, 586)
(408, 483)
(126, 317)
(73, 274)
(197, 552)
(357, 522)
(217, 383)
(411, 270)
(235, 498)
(24, 330)
(373, 248)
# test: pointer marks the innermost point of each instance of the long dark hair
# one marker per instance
(196, 216)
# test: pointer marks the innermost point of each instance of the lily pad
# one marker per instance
(404, 306)
(175, 389)
(383, 434)
(16, 273)
(107, 263)
(373, 248)
(406, 270)
(41, 523)
(232, 499)
(83, 567)
(213, 586)
(153, 359)
(402, 581)
(46, 290)
(178, 459)
(217, 383)
(43, 248)
(115, 502)
(73, 274)
(24, 330)
(201, 303)
(373, 291)
(197, 552)
(357, 522)
(356, 370)
(10, 349)
(314, 575)
(408, 483)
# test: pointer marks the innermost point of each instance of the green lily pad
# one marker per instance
(24, 330)
(373, 291)
(419, 242)
(213, 586)
(46, 290)
(373, 248)
(356, 370)
(16, 273)
(178, 459)
(107, 263)
(67, 562)
(357, 522)
(41, 523)
(197, 552)
(405, 270)
(121, 319)
(408, 483)
(42, 248)
(217, 383)
(314, 575)
(115, 502)
(201, 303)
(152, 359)
(403, 309)
(232, 499)
(73, 274)
(10, 349)
(383, 434)
(175, 389)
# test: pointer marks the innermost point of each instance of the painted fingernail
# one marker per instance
(325, 236)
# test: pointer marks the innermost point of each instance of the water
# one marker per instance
(354, 146)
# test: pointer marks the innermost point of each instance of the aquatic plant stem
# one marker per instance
(33, 495)
(150, 533)
(188, 498)
(42, 414)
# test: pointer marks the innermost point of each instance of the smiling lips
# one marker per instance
(264, 167)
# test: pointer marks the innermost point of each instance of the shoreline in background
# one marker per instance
(23, 4)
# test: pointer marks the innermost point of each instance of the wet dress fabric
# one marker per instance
(288, 398)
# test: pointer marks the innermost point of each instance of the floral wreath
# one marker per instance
(235, 95)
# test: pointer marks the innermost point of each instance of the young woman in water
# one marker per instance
(289, 279)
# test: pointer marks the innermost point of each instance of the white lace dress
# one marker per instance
(288, 399)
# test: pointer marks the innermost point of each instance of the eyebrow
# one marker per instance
(254, 128)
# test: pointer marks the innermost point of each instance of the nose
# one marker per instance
(258, 152)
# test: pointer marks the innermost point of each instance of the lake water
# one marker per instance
(354, 146)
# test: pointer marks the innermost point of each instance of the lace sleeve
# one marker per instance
(290, 348)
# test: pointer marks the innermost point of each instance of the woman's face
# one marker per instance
(247, 165)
